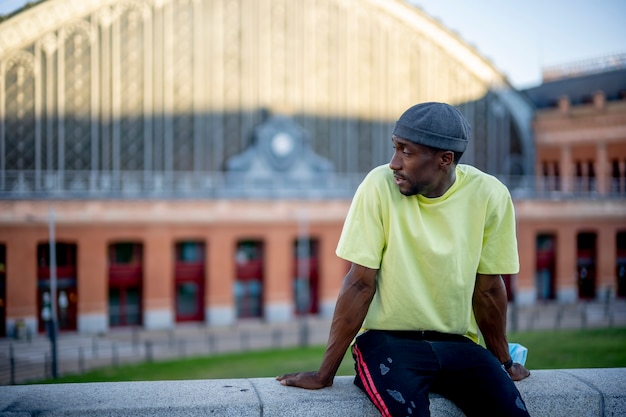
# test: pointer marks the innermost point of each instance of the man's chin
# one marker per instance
(407, 192)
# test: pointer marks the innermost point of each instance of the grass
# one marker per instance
(571, 349)
(563, 349)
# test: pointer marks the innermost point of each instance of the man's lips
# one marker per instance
(399, 179)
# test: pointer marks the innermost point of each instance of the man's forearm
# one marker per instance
(490, 305)
(350, 310)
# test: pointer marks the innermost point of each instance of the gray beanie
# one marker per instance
(437, 125)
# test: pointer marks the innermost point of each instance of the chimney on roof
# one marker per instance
(599, 100)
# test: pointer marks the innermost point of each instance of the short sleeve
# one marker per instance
(362, 239)
(499, 253)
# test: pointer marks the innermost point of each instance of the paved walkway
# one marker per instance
(29, 360)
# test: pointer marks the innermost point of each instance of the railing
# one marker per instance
(16, 185)
(588, 66)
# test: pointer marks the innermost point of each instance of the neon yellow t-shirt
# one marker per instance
(429, 250)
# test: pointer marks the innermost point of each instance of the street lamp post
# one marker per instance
(303, 293)
(52, 323)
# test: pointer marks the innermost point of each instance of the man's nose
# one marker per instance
(394, 164)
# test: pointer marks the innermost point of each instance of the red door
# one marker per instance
(66, 288)
(189, 281)
(249, 280)
(620, 265)
(586, 265)
(125, 284)
(545, 267)
(306, 277)
(3, 283)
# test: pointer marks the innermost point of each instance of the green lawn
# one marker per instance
(569, 349)
(563, 349)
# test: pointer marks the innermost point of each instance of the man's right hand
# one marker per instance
(357, 290)
(307, 380)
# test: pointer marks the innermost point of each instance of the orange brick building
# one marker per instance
(196, 165)
(572, 234)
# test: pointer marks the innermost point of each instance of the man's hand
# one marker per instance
(355, 296)
(307, 380)
(518, 372)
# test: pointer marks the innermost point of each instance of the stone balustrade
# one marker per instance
(550, 393)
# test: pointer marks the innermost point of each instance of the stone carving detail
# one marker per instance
(280, 157)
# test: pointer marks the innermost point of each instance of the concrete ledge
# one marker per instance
(553, 393)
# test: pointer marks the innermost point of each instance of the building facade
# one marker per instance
(574, 228)
(172, 161)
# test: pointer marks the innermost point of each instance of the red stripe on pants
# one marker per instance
(368, 383)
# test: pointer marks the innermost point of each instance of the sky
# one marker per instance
(521, 37)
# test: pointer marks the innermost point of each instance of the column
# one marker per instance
(21, 278)
(219, 299)
(158, 280)
(332, 269)
(525, 291)
(606, 247)
(568, 172)
(278, 300)
(93, 283)
(566, 273)
(622, 177)
(540, 180)
(603, 169)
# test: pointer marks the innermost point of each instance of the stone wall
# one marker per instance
(550, 393)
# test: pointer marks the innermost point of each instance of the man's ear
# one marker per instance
(446, 158)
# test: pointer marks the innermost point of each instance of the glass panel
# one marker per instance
(187, 299)
(248, 251)
(545, 267)
(586, 265)
(305, 275)
(190, 252)
(123, 253)
(132, 306)
(620, 267)
(2, 259)
(65, 254)
(248, 298)
(249, 285)
(2, 291)
(114, 307)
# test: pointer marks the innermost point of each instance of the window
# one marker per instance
(124, 253)
(618, 177)
(248, 287)
(3, 291)
(189, 270)
(189, 252)
(66, 285)
(620, 264)
(586, 264)
(125, 283)
(550, 173)
(305, 276)
(545, 266)
(585, 180)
